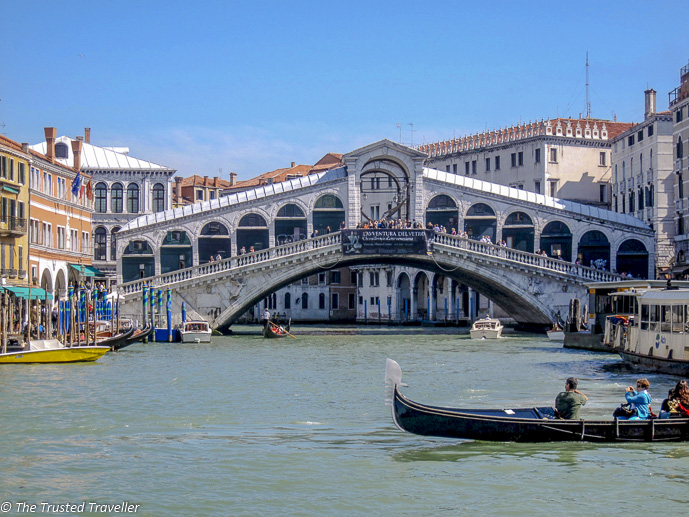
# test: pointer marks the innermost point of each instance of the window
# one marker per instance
(679, 116)
(288, 301)
(537, 156)
(305, 301)
(85, 246)
(351, 301)
(497, 163)
(374, 279)
(74, 240)
(520, 158)
(61, 150)
(537, 187)
(454, 170)
(113, 242)
(487, 164)
(640, 136)
(513, 158)
(133, 198)
(61, 240)
(553, 188)
(158, 198)
(116, 198)
(100, 243)
(321, 301)
(630, 140)
(680, 186)
(352, 277)
(680, 150)
(603, 191)
(334, 301)
(447, 168)
(553, 155)
(321, 278)
(22, 173)
(305, 281)
(473, 166)
(334, 277)
(602, 158)
(650, 130)
(199, 195)
(466, 168)
(101, 202)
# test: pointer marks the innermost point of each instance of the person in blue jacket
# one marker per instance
(640, 399)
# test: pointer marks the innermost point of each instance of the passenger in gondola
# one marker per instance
(568, 402)
(677, 401)
(638, 399)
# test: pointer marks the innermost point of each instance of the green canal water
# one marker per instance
(247, 426)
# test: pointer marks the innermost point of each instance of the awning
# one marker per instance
(88, 270)
(10, 189)
(680, 269)
(23, 292)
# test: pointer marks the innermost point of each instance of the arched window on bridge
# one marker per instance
(213, 241)
(594, 250)
(479, 221)
(137, 261)
(442, 211)
(290, 224)
(556, 240)
(252, 231)
(100, 243)
(632, 257)
(175, 252)
(328, 212)
(518, 232)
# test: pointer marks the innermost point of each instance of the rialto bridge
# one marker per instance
(293, 229)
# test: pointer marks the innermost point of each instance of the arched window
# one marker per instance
(61, 150)
(133, 198)
(321, 301)
(158, 198)
(305, 301)
(116, 198)
(100, 243)
(113, 242)
(252, 221)
(101, 203)
(288, 301)
(328, 201)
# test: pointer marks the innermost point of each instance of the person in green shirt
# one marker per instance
(568, 402)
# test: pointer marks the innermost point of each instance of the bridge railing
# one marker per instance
(524, 257)
(219, 266)
(453, 241)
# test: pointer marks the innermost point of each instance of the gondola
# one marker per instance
(272, 331)
(115, 342)
(537, 424)
(135, 337)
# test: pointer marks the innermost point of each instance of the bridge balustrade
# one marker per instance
(334, 239)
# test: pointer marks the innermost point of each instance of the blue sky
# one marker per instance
(250, 86)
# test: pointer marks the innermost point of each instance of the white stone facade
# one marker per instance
(679, 106)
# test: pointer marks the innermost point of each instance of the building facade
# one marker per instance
(643, 181)
(123, 188)
(60, 221)
(14, 204)
(562, 158)
(679, 106)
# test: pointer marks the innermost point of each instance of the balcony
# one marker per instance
(15, 226)
(11, 273)
(649, 175)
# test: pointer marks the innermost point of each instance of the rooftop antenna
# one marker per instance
(399, 126)
(588, 103)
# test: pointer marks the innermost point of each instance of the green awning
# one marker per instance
(88, 270)
(23, 292)
(10, 189)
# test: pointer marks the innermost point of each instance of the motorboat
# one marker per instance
(486, 328)
(195, 331)
(53, 351)
(557, 333)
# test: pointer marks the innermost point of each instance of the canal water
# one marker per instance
(247, 426)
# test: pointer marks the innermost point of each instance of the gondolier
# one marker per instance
(266, 316)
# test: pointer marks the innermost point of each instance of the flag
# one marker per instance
(76, 184)
(81, 192)
(89, 191)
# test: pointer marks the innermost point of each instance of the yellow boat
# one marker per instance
(52, 351)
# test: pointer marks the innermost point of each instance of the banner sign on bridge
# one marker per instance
(387, 241)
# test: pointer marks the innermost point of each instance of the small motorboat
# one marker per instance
(486, 328)
(53, 351)
(535, 424)
(557, 333)
(195, 331)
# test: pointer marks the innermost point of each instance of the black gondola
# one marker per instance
(116, 342)
(272, 331)
(537, 424)
(135, 337)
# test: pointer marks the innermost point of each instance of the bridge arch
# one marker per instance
(138, 258)
(594, 250)
(175, 251)
(443, 210)
(328, 211)
(252, 231)
(632, 257)
(290, 223)
(480, 220)
(556, 240)
(404, 294)
(518, 231)
(214, 240)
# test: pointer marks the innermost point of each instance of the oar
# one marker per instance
(285, 331)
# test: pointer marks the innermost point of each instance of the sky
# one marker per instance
(213, 87)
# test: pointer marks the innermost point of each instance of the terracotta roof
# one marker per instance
(10, 143)
(204, 181)
(329, 161)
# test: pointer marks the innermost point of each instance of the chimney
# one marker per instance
(178, 188)
(25, 147)
(215, 181)
(650, 103)
(205, 181)
(76, 151)
(50, 135)
(233, 179)
(292, 166)
(87, 135)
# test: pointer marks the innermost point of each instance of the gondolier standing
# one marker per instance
(266, 316)
(569, 401)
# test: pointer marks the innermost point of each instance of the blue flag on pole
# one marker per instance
(76, 184)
